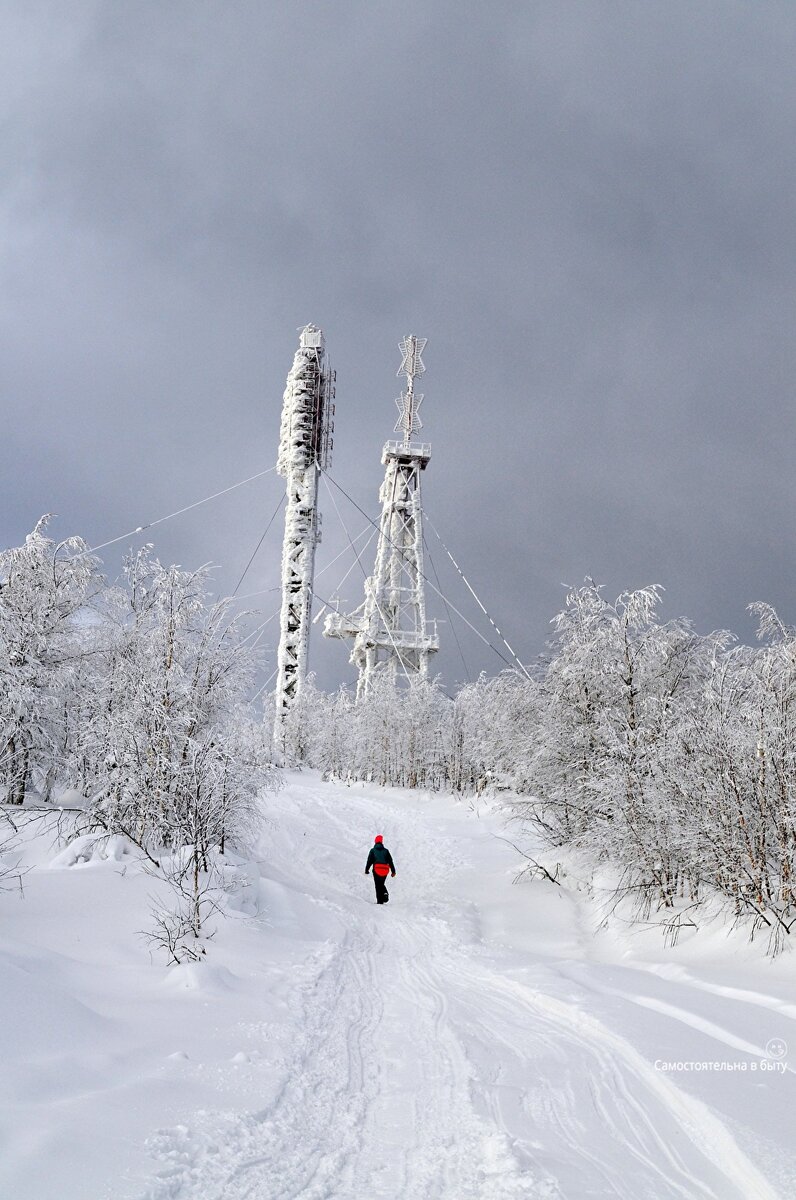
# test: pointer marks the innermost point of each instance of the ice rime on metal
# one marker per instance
(409, 401)
(390, 631)
(305, 446)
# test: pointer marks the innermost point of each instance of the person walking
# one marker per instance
(381, 861)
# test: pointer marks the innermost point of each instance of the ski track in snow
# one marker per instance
(422, 1072)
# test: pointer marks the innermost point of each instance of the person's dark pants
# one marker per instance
(382, 895)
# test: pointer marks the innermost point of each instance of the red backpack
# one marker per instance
(380, 867)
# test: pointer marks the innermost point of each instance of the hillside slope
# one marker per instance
(469, 1040)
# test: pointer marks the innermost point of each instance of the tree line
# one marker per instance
(667, 754)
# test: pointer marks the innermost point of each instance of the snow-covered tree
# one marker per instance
(738, 772)
(603, 773)
(46, 642)
(167, 753)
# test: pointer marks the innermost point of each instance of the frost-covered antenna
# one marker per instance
(389, 630)
(409, 401)
(305, 448)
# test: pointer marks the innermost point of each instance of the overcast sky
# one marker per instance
(589, 209)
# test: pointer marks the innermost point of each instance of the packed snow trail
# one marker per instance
(422, 1067)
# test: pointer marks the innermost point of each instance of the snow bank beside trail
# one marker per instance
(472, 1040)
(96, 848)
(101, 1042)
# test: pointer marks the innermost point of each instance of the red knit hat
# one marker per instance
(379, 838)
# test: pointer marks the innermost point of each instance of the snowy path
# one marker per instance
(468, 1041)
(429, 1070)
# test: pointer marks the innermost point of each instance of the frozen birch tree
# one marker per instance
(46, 628)
(739, 769)
(168, 747)
(169, 753)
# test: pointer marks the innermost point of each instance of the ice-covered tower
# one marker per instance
(305, 446)
(390, 631)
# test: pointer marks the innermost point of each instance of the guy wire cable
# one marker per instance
(178, 513)
(472, 593)
(257, 547)
(447, 610)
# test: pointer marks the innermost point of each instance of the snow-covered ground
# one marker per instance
(469, 1040)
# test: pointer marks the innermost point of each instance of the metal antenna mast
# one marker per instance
(390, 631)
(305, 447)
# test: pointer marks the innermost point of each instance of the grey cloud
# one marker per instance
(586, 207)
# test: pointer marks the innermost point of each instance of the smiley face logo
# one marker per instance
(776, 1048)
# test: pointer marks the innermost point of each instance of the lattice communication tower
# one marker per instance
(389, 630)
(305, 447)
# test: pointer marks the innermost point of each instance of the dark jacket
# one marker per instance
(380, 854)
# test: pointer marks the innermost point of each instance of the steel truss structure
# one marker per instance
(390, 631)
